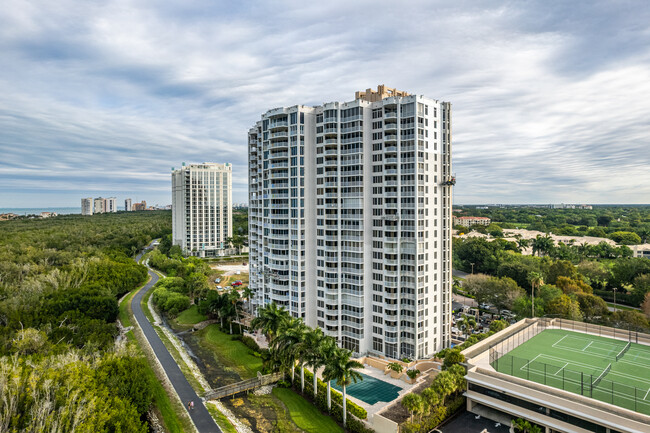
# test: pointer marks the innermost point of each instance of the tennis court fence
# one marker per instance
(593, 384)
(538, 325)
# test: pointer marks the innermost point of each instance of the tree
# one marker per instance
(625, 238)
(604, 220)
(560, 268)
(288, 341)
(396, 367)
(414, 403)
(595, 273)
(235, 302)
(592, 306)
(568, 285)
(641, 285)
(543, 245)
(269, 319)
(313, 347)
(467, 324)
(536, 280)
(453, 357)
(247, 294)
(565, 307)
(645, 306)
(444, 384)
(341, 368)
(498, 325)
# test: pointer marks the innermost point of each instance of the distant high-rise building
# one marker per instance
(99, 205)
(140, 206)
(87, 206)
(350, 219)
(202, 208)
(111, 205)
(127, 205)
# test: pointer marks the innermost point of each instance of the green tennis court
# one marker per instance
(370, 390)
(613, 371)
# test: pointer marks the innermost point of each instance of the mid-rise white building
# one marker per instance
(350, 217)
(110, 204)
(99, 205)
(127, 205)
(202, 208)
(87, 206)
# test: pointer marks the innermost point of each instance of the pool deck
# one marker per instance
(379, 374)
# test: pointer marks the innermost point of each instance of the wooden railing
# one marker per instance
(244, 385)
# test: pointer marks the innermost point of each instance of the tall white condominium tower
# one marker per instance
(87, 206)
(202, 208)
(128, 205)
(111, 205)
(350, 217)
(99, 205)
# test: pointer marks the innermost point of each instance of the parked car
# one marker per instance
(219, 288)
(218, 280)
(238, 273)
(237, 283)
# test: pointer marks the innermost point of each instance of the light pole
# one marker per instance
(472, 268)
(615, 299)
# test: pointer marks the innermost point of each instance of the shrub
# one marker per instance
(396, 366)
(250, 343)
(412, 374)
(337, 397)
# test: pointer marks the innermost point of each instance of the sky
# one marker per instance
(551, 99)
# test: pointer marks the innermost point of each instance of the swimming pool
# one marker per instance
(370, 390)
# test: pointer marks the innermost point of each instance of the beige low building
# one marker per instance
(642, 250)
(502, 397)
(468, 221)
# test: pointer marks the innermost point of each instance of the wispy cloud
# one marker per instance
(550, 98)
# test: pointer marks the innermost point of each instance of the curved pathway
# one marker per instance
(200, 415)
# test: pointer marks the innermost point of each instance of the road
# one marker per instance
(460, 298)
(200, 415)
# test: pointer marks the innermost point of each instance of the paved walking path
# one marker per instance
(200, 415)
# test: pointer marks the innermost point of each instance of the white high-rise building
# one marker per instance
(350, 218)
(87, 206)
(202, 208)
(127, 205)
(110, 204)
(99, 205)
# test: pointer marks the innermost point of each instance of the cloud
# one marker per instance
(104, 98)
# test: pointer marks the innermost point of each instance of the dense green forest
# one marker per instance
(60, 280)
(569, 280)
(624, 224)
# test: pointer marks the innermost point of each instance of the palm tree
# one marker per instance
(235, 301)
(288, 341)
(542, 244)
(467, 324)
(414, 403)
(329, 351)
(247, 294)
(315, 342)
(535, 279)
(341, 368)
(269, 320)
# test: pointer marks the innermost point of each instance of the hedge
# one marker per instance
(353, 424)
(337, 397)
(250, 343)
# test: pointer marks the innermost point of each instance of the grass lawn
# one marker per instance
(190, 316)
(224, 424)
(304, 414)
(231, 353)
